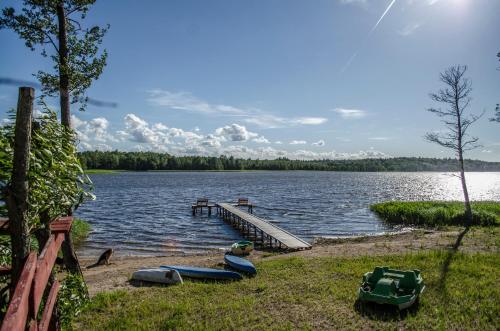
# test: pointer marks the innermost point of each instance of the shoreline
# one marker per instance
(117, 171)
(116, 275)
(86, 254)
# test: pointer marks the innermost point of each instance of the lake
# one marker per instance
(149, 213)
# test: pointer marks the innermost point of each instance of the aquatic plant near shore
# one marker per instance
(80, 230)
(437, 213)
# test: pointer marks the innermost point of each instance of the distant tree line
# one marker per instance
(142, 161)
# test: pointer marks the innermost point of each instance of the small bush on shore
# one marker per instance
(437, 213)
(80, 231)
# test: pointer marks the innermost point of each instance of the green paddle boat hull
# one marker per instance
(243, 247)
(393, 287)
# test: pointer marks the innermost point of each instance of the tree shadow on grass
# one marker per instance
(445, 268)
(385, 313)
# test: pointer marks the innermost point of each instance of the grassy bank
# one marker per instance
(80, 231)
(437, 213)
(311, 293)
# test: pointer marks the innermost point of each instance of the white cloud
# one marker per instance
(212, 141)
(185, 101)
(309, 120)
(320, 142)
(409, 29)
(95, 129)
(298, 142)
(159, 136)
(103, 147)
(272, 121)
(379, 138)
(139, 131)
(277, 142)
(235, 132)
(333, 155)
(350, 113)
(487, 151)
(138, 134)
(82, 145)
(261, 140)
(159, 126)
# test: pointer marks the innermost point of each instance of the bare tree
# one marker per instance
(496, 118)
(456, 97)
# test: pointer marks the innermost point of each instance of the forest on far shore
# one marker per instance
(142, 161)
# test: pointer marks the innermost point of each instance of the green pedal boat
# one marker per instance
(390, 286)
(243, 247)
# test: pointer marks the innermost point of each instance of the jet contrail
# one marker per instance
(353, 56)
(382, 17)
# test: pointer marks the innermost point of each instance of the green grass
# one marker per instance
(80, 231)
(317, 293)
(437, 213)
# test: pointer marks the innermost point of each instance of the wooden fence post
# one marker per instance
(17, 196)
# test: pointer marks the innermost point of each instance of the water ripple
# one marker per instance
(148, 213)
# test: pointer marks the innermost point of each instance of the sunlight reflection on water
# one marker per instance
(149, 213)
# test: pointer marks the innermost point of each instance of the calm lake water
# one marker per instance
(149, 213)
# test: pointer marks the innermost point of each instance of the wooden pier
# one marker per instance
(203, 203)
(259, 230)
(200, 204)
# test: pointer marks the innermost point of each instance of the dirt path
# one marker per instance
(117, 274)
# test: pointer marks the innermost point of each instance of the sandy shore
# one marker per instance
(116, 275)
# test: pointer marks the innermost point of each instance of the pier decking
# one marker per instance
(260, 230)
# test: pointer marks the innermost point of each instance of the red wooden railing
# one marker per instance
(25, 302)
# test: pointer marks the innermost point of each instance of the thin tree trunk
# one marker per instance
(17, 195)
(69, 256)
(468, 209)
(70, 259)
(63, 67)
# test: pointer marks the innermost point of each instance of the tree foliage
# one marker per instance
(57, 182)
(37, 25)
(141, 161)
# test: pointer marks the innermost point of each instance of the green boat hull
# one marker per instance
(243, 247)
(393, 287)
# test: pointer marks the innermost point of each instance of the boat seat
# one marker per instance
(385, 287)
(409, 281)
(376, 275)
(393, 275)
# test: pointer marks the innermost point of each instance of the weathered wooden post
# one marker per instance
(17, 194)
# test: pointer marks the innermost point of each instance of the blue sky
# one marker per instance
(264, 79)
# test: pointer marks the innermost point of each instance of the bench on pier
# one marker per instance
(200, 204)
(245, 203)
